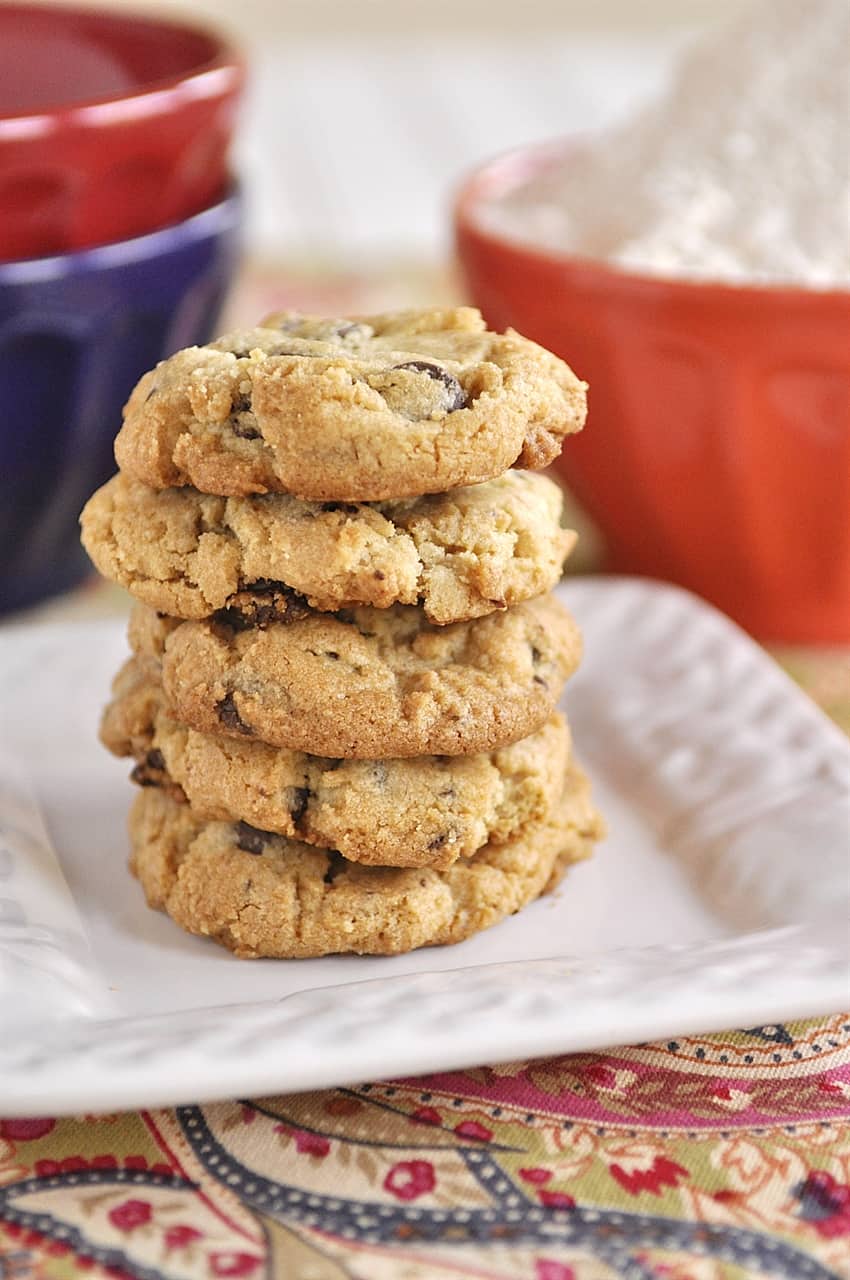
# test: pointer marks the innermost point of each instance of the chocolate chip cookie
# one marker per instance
(460, 554)
(423, 811)
(263, 895)
(367, 683)
(363, 409)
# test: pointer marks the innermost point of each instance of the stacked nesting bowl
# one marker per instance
(119, 228)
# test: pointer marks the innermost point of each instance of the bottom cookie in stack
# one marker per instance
(261, 894)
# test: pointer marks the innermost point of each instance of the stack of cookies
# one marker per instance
(342, 696)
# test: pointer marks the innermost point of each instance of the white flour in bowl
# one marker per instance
(741, 174)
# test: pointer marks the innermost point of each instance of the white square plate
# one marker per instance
(721, 898)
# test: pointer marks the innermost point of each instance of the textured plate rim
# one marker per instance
(460, 1017)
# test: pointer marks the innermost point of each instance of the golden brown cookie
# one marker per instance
(363, 409)
(264, 895)
(423, 811)
(460, 554)
(367, 683)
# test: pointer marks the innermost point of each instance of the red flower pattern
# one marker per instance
(410, 1179)
(130, 1214)
(233, 1264)
(548, 1269)
(556, 1199)
(825, 1204)
(72, 1164)
(26, 1128)
(661, 1173)
(600, 1075)
(472, 1129)
(179, 1236)
(310, 1144)
(536, 1176)
(426, 1115)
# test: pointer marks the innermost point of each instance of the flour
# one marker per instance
(742, 173)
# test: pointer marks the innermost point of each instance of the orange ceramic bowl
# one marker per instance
(717, 451)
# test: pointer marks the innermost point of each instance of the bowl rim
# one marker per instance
(222, 72)
(519, 163)
(216, 218)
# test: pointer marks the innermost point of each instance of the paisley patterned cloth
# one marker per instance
(708, 1158)
(722, 1157)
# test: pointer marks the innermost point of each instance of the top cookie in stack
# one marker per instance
(360, 410)
(333, 563)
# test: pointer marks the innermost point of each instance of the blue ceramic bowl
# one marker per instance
(76, 333)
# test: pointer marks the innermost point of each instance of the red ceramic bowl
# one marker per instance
(717, 450)
(111, 126)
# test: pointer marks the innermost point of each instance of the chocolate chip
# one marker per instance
(143, 778)
(152, 392)
(336, 864)
(260, 603)
(240, 405)
(379, 575)
(244, 431)
(151, 771)
(438, 841)
(298, 803)
(332, 654)
(262, 586)
(230, 717)
(536, 659)
(249, 839)
(456, 395)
